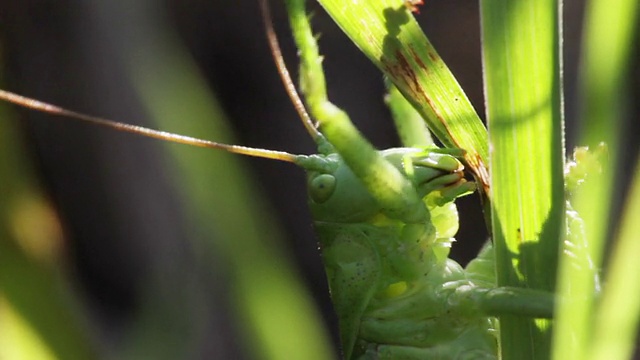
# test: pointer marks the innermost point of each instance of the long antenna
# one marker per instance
(276, 52)
(139, 130)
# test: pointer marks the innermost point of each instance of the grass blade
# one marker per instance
(616, 321)
(607, 42)
(522, 89)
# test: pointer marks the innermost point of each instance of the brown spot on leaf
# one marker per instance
(417, 59)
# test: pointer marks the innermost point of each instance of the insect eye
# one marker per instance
(321, 187)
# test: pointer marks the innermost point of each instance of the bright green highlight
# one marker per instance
(607, 42)
(616, 321)
(522, 89)
(19, 340)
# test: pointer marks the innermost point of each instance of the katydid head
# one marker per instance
(337, 194)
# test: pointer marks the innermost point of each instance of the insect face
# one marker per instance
(336, 194)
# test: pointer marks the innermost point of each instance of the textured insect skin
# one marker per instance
(391, 281)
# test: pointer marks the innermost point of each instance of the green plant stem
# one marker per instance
(523, 96)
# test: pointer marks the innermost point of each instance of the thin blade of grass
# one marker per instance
(388, 34)
(616, 321)
(523, 96)
(609, 27)
(412, 130)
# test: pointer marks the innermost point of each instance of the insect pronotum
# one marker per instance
(384, 221)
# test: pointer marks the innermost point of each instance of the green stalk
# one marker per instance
(616, 320)
(523, 96)
(609, 29)
(412, 130)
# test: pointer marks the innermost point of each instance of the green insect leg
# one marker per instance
(384, 181)
(484, 297)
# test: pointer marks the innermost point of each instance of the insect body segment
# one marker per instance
(390, 280)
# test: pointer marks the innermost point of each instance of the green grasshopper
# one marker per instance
(385, 221)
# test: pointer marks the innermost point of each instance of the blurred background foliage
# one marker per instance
(121, 247)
